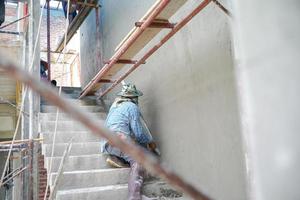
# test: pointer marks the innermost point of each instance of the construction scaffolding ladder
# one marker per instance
(155, 20)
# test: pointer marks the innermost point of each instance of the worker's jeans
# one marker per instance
(136, 176)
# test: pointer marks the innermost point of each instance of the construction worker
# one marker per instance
(44, 70)
(124, 119)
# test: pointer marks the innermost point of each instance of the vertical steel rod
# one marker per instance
(60, 170)
(98, 35)
(30, 156)
(48, 40)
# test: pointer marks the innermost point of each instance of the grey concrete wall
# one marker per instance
(90, 63)
(267, 40)
(190, 99)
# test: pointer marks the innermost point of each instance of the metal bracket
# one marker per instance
(157, 24)
(124, 61)
(89, 4)
(106, 81)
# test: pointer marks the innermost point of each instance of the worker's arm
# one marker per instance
(137, 128)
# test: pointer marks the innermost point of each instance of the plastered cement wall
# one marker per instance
(190, 99)
(90, 62)
(267, 35)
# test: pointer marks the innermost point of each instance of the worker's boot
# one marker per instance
(135, 182)
(114, 161)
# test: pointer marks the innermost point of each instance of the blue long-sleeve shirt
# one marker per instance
(126, 118)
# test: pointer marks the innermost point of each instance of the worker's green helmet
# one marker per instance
(129, 90)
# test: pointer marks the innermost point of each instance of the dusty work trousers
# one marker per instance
(136, 176)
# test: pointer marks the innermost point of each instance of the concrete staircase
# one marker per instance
(86, 174)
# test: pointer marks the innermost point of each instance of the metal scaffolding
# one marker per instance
(77, 21)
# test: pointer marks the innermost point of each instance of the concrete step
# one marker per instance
(78, 149)
(111, 192)
(64, 137)
(88, 108)
(91, 178)
(153, 190)
(77, 163)
(88, 100)
(65, 117)
(49, 126)
(67, 96)
(81, 102)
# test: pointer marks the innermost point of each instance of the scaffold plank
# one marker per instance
(132, 44)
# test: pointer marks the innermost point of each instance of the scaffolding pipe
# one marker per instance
(6, 25)
(177, 27)
(60, 170)
(19, 172)
(11, 32)
(14, 146)
(98, 35)
(21, 141)
(150, 162)
(126, 46)
(14, 171)
(74, 26)
(2, 100)
(48, 40)
(31, 176)
(12, 150)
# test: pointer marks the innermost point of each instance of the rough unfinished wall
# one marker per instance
(190, 99)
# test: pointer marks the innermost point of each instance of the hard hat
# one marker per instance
(129, 90)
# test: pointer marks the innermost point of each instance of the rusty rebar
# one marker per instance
(225, 10)
(150, 162)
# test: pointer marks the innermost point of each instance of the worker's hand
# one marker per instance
(152, 147)
(122, 136)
